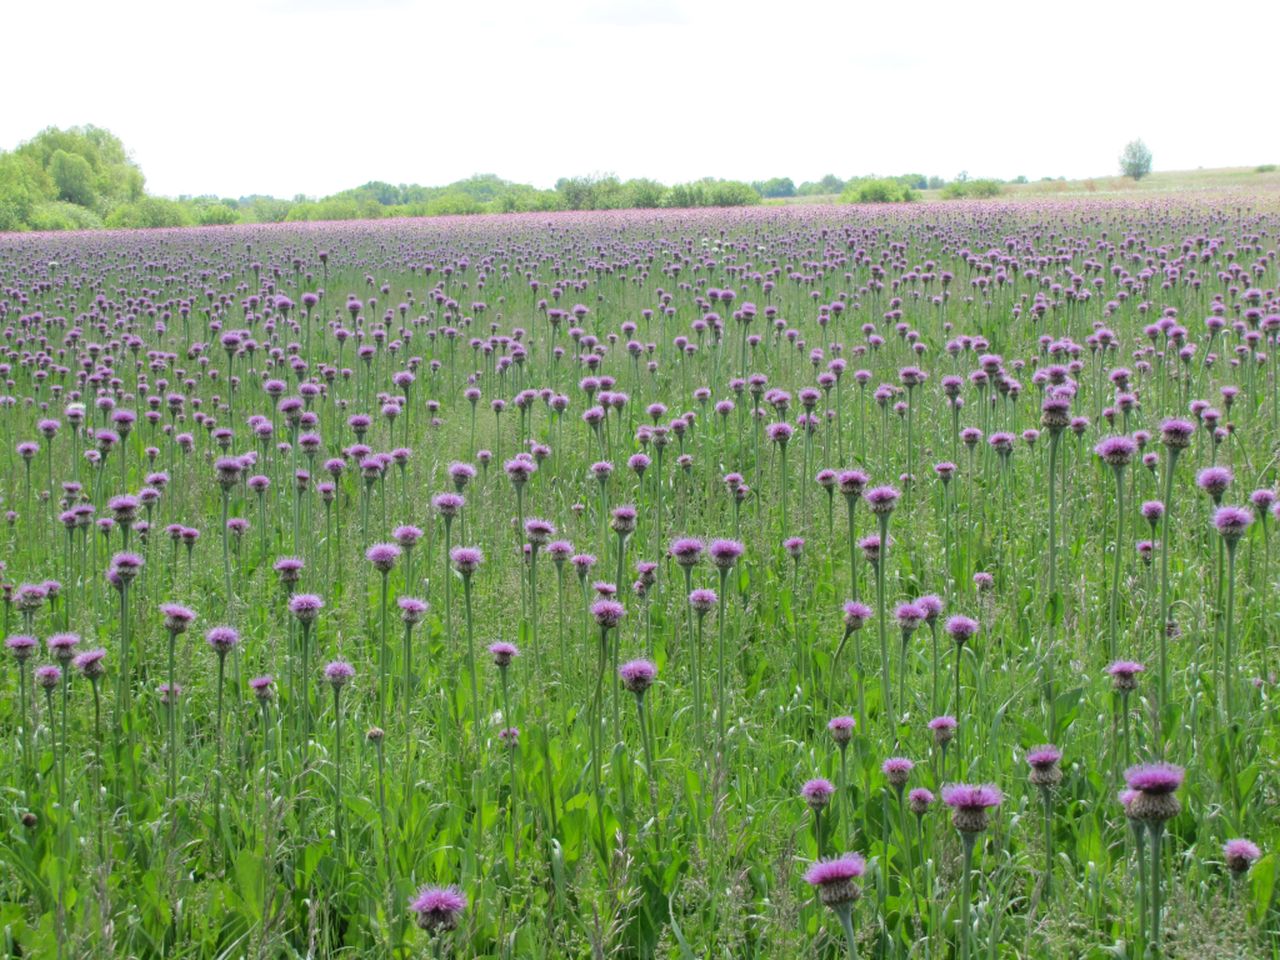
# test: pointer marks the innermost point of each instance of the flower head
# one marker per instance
(1232, 522)
(882, 500)
(1155, 784)
(222, 639)
(306, 607)
(637, 675)
(961, 629)
(608, 613)
(1240, 855)
(969, 804)
(338, 672)
(503, 653)
(835, 879)
(897, 770)
(91, 664)
(817, 792)
(1124, 674)
(438, 908)
(841, 729)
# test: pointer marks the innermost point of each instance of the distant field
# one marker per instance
(1171, 181)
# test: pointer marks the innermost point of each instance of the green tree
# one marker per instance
(73, 177)
(1135, 161)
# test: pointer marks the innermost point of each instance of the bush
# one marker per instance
(1265, 168)
(984, 189)
(62, 215)
(149, 212)
(877, 191)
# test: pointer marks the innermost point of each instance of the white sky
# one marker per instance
(314, 96)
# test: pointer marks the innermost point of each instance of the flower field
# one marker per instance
(754, 583)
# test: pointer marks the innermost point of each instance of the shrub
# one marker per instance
(877, 191)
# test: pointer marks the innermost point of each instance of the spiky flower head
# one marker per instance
(338, 673)
(92, 664)
(437, 909)
(222, 639)
(969, 804)
(882, 500)
(176, 617)
(1044, 761)
(608, 613)
(836, 879)
(1124, 674)
(944, 729)
(817, 792)
(841, 729)
(1240, 855)
(897, 770)
(503, 653)
(1155, 783)
(638, 675)
(1231, 523)
(919, 800)
(306, 607)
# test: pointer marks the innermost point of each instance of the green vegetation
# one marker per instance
(1136, 160)
(878, 190)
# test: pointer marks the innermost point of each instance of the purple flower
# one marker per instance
(817, 792)
(1232, 522)
(62, 646)
(852, 483)
(882, 500)
(1116, 451)
(909, 616)
(1176, 434)
(703, 601)
(412, 610)
(836, 880)
(383, 556)
(306, 607)
(686, 551)
(407, 536)
(22, 646)
(897, 770)
(724, 553)
(1214, 481)
(919, 800)
(91, 663)
(637, 675)
(841, 729)
(944, 729)
(969, 804)
(1240, 855)
(855, 615)
(503, 653)
(222, 639)
(438, 908)
(176, 617)
(848, 867)
(466, 560)
(338, 672)
(48, 676)
(961, 629)
(1154, 778)
(263, 687)
(539, 531)
(932, 606)
(608, 613)
(1124, 674)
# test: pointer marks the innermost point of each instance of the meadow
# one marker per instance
(787, 581)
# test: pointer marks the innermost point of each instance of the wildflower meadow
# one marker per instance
(772, 582)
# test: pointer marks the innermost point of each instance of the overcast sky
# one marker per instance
(314, 96)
